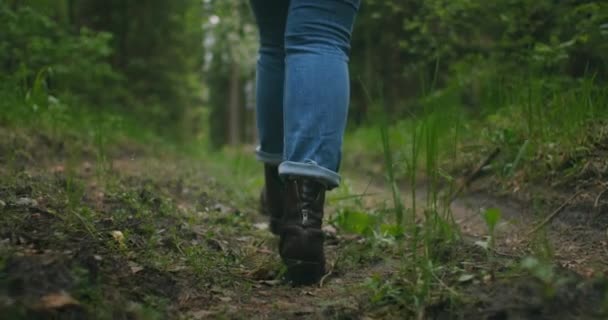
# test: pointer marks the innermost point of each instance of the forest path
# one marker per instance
(574, 241)
(259, 293)
(163, 236)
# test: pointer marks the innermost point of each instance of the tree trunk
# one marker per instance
(234, 102)
(71, 15)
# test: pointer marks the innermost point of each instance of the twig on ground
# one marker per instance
(325, 277)
(361, 195)
(553, 214)
(331, 272)
(597, 200)
(505, 254)
(354, 196)
(475, 174)
(443, 284)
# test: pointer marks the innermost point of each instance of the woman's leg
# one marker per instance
(317, 43)
(271, 16)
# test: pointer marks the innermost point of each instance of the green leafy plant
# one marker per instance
(545, 272)
(356, 221)
(491, 217)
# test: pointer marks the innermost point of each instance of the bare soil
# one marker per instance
(144, 235)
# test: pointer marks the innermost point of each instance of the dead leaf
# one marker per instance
(176, 268)
(56, 300)
(309, 293)
(244, 239)
(271, 283)
(135, 268)
(118, 237)
(261, 226)
(303, 311)
(264, 250)
(26, 202)
(221, 208)
(466, 278)
(201, 314)
(330, 231)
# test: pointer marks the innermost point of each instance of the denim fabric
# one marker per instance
(303, 84)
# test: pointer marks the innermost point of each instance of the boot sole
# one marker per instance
(302, 273)
(302, 253)
(275, 226)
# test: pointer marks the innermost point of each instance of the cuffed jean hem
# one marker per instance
(268, 158)
(310, 169)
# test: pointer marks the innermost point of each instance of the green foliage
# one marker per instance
(157, 47)
(31, 41)
(71, 56)
(545, 272)
(491, 217)
(230, 44)
(420, 46)
(356, 222)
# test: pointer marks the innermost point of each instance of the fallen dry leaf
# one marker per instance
(135, 268)
(56, 300)
(119, 237)
(271, 283)
(261, 226)
(176, 268)
(201, 314)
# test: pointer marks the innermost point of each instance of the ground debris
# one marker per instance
(26, 202)
(56, 300)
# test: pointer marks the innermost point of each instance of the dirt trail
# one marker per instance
(341, 295)
(149, 236)
(344, 294)
(576, 243)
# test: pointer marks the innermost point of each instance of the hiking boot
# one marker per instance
(301, 242)
(272, 197)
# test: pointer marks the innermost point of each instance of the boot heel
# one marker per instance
(272, 198)
(300, 272)
(301, 239)
(302, 253)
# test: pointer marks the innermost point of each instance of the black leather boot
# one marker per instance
(301, 243)
(272, 197)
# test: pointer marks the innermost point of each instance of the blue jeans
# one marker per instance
(303, 84)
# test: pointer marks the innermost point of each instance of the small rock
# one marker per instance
(2, 204)
(330, 231)
(26, 202)
(221, 208)
(261, 226)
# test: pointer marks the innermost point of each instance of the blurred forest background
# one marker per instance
(113, 204)
(186, 68)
